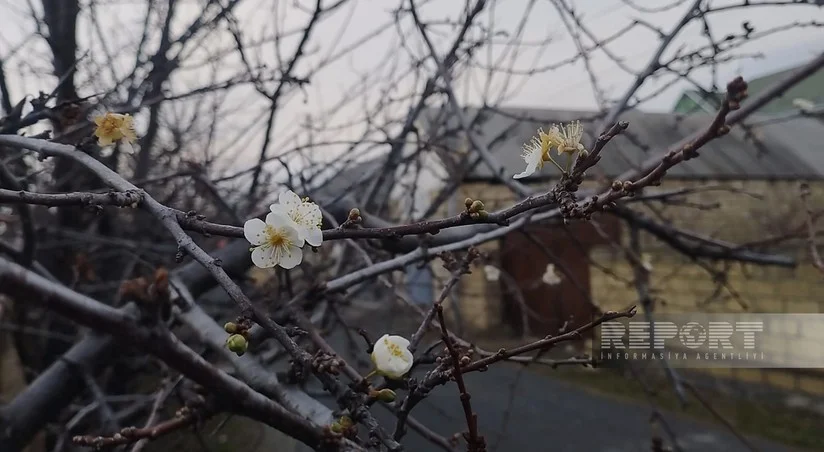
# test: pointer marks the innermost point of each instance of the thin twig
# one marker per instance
(475, 442)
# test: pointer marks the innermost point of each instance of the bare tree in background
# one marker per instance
(111, 260)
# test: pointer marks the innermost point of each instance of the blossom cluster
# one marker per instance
(278, 241)
(566, 139)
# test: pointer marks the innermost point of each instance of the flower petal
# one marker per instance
(396, 367)
(392, 357)
(285, 226)
(105, 141)
(290, 257)
(289, 199)
(530, 170)
(264, 257)
(401, 341)
(279, 208)
(279, 220)
(309, 214)
(313, 236)
(253, 231)
(128, 134)
(380, 352)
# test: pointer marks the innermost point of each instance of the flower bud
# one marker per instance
(230, 327)
(583, 154)
(476, 206)
(336, 427)
(386, 395)
(345, 422)
(617, 185)
(238, 344)
(468, 202)
(483, 214)
(354, 214)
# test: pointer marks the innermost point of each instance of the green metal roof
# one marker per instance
(811, 89)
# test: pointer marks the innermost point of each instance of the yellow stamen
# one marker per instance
(394, 349)
(275, 237)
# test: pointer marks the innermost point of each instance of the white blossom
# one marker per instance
(568, 137)
(277, 241)
(305, 214)
(535, 153)
(550, 276)
(392, 357)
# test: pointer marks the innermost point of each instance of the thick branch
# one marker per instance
(161, 343)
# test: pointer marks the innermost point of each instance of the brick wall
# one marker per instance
(743, 212)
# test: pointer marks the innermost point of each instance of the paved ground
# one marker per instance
(552, 415)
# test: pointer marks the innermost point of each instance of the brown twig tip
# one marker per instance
(370, 344)
(324, 362)
(474, 441)
(184, 418)
(736, 92)
(353, 219)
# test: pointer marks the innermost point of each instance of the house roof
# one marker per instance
(810, 89)
(353, 178)
(774, 150)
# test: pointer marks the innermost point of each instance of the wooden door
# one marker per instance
(525, 258)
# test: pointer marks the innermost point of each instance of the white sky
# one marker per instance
(28, 66)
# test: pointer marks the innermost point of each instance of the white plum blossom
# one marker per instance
(276, 241)
(550, 276)
(392, 357)
(535, 153)
(568, 137)
(492, 273)
(305, 214)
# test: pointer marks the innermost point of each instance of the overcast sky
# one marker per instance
(568, 87)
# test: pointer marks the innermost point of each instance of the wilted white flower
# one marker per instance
(492, 273)
(534, 154)
(392, 357)
(567, 138)
(550, 276)
(113, 127)
(277, 241)
(306, 215)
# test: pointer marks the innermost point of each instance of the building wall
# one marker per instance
(742, 212)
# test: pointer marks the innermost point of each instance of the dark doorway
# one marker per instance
(524, 256)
